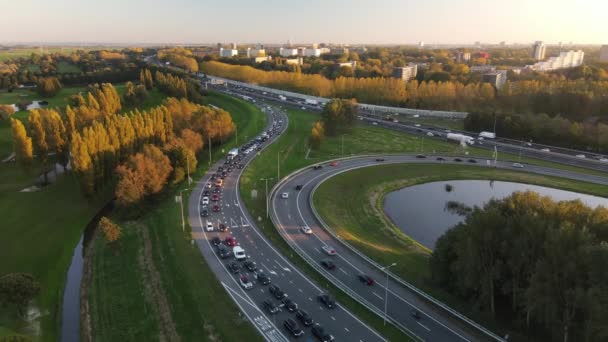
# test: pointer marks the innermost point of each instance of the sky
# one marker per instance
(304, 21)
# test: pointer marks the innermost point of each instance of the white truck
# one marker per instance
(283, 98)
(312, 102)
(461, 138)
(487, 135)
(233, 153)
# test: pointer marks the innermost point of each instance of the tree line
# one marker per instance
(535, 262)
(179, 57)
(338, 116)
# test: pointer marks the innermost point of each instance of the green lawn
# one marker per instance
(200, 307)
(65, 67)
(351, 203)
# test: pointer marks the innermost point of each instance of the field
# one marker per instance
(125, 308)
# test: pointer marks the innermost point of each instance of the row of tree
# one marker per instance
(171, 85)
(540, 263)
(338, 116)
(179, 57)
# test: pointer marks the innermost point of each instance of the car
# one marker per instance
(216, 241)
(545, 150)
(417, 125)
(299, 187)
(603, 160)
(234, 267)
(220, 169)
(430, 134)
(245, 282)
(223, 227)
(528, 144)
(250, 265)
(416, 314)
(270, 306)
(329, 250)
(293, 328)
(317, 167)
(333, 163)
(420, 156)
(518, 165)
(440, 159)
(215, 197)
(327, 300)
(305, 318)
(204, 212)
(306, 230)
(209, 226)
(367, 280)
(217, 190)
(319, 332)
(240, 166)
(582, 156)
(205, 200)
(239, 253)
(457, 160)
(206, 193)
(472, 161)
(375, 123)
(230, 241)
(284, 195)
(224, 251)
(290, 304)
(328, 264)
(277, 292)
(208, 185)
(262, 278)
(216, 208)
(380, 159)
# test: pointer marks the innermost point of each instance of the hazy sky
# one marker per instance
(304, 21)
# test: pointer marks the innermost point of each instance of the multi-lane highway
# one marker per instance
(293, 211)
(338, 322)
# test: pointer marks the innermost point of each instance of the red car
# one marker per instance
(231, 241)
(215, 197)
(367, 280)
(223, 227)
(334, 163)
(216, 208)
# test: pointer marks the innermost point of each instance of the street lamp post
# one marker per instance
(385, 269)
(267, 209)
(181, 203)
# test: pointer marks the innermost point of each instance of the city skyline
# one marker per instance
(276, 22)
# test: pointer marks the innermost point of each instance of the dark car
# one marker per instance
(277, 292)
(320, 333)
(328, 264)
(472, 161)
(240, 166)
(366, 279)
(457, 159)
(421, 156)
(270, 306)
(299, 187)
(317, 167)
(440, 158)
(250, 265)
(204, 213)
(262, 278)
(220, 169)
(416, 314)
(223, 227)
(290, 304)
(217, 190)
(328, 301)
(216, 208)
(223, 251)
(234, 267)
(293, 328)
(216, 241)
(304, 317)
(206, 193)
(379, 159)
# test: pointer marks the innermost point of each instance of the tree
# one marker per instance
(18, 289)
(338, 116)
(317, 135)
(111, 231)
(192, 140)
(48, 86)
(22, 144)
(6, 111)
(41, 147)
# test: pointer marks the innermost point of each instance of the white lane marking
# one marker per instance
(318, 250)
(343, 271)
(332, 317)
(284, 268)
(300, 290)
(345, 328)
(377, 295)
(424, 326)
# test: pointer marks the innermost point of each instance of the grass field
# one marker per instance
(351, 203)
(65, 67)
(19, 52)
(122, 307)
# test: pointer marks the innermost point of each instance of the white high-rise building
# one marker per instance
(288, 52)
(565, 59)
(228, 52)
(538, 51)
(604, 53)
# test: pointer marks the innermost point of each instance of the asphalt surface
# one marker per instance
(338, 322)
(290, 214)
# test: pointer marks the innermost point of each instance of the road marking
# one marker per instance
(284, 268)
(318, 250)
(243, 224)
(310, 299)
(424, 326)
(377, 295)
(343, 271)
(233, 223)
(345, 328)
(332, 317)
(300, 290)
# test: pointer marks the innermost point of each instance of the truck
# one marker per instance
(461, 138)
(487, 135)
(283, 98)
(233, 153)
(312, 102)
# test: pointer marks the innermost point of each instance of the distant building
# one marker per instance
(482, 68)
(483, 54)
(228, 52)
(288, 52)
(495, 78)
(565, 59)
(462, 57)
(421, 44)
(339, 50)
(358, 49)
(405, 73)
(294, 61)
(604, 53)
(262, 59)
(351, 64)
(256, 52)
(538, 51)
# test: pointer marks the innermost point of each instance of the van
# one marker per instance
(239, 253)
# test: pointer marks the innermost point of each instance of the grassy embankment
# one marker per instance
(351, 203)
(40, 229)
(158, 283)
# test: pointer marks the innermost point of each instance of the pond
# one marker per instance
(420, 211)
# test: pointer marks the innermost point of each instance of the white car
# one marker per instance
(546, 150)
(306, 230)
(375, 123)
(430, 134)
(328, 250)
(582, 156)
(208, 185)
(285, 195)
(246, 283)
(604, 160)
(205, 201)
(209, 227)
(417, 125)
(239, 253)
(518, 165)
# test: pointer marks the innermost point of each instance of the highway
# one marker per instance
(290, 214)
(338, 322)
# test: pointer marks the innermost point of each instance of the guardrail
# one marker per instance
(396, 278)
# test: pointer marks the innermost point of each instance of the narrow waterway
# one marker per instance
(421, 212)
(70, 314)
